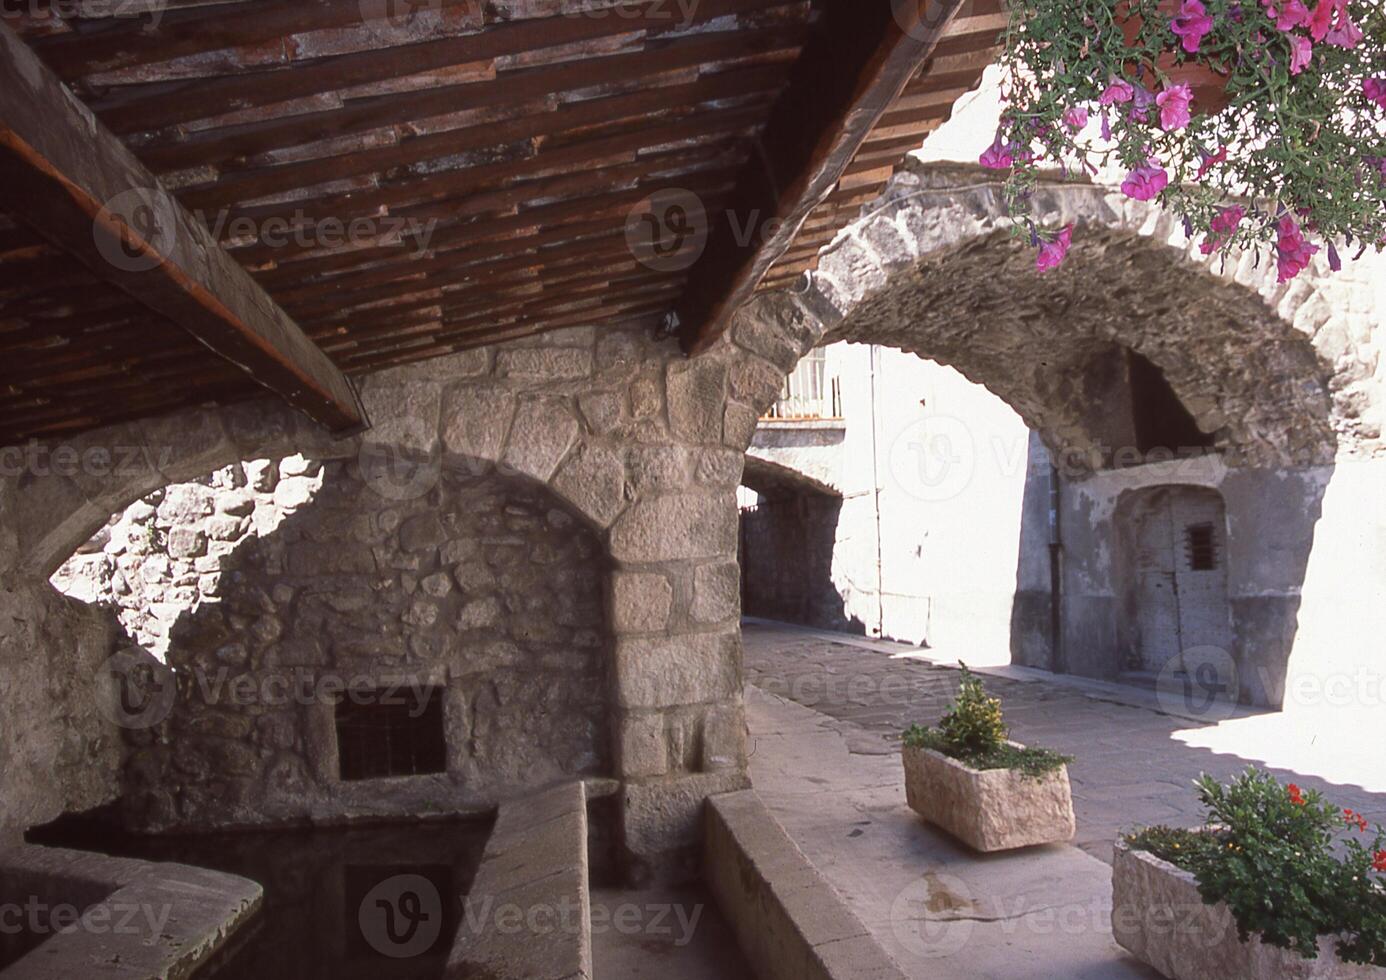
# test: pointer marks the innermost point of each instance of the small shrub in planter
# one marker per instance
(968, 778)
(1298, 884)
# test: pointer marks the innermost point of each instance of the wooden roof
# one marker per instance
(482, 157)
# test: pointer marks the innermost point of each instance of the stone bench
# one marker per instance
(528, 915)
(138, 920)
(789, 921)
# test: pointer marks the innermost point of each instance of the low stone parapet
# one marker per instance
(790, 923)
(118, 917)
(528, 915)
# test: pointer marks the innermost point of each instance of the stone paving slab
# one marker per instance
(1130, 769)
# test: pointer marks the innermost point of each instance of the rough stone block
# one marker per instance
(696, 392)
(716, 592)
(665, 671)
(641, 602)
(543, 433)
(739, 425)
(594, 480)
(476, 421)
(544, 363)
(676, 526)
(644, 746)
(989, 810)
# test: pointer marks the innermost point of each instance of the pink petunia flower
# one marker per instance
(1119, 90)
(1328, 15)
(1145, 183)
(1293, 251)
(1191, 24)
(1211, 160)
(1174, 107)
(1289, 14)
(1375, 89)
(1222, 227)
(1052, 253)
(998, 156)
(1076, 118)
(1301, 52)
(1346, 34)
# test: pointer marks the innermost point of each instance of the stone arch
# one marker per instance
(1278, 374)
(437, 421)
(771, 478)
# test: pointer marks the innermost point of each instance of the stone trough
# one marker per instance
(989, 810)
(92, 915)
(1159, 916)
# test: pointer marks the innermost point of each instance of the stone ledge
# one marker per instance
(147, 921)
(528, 915)
(789, 921)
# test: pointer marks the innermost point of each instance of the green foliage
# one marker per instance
(1290, 865)
(973, 722)
(1309, 144)
(974, 732)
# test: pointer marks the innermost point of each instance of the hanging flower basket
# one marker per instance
(1262, 123)
(1208, 83)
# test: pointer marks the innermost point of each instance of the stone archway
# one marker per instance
(1280, 381)
(1277, 375)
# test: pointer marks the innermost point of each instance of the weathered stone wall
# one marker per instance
(483, 587)
(57, 754)
(160, 557)
(643, 445)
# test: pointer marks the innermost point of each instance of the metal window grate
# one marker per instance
(1201, 542)
(386, 733)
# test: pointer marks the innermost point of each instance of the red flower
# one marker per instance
(1353, 818)
(1295, 796)
(1379, 861)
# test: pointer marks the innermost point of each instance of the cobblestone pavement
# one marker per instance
(1129, 770)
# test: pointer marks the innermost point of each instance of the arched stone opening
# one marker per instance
(1139, 362)
(786, 546)
(398, 655)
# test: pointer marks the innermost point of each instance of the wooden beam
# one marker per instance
(847, 77)
(74, 183)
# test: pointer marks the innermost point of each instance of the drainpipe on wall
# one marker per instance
(1058, 662)
(876, 491)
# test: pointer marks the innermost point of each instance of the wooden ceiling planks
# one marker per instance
(968, 45)
(483, 156)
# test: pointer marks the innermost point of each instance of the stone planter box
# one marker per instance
(989, 810)
(1159, 916)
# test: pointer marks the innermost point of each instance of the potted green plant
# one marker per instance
(967, 777)
(1259, 122)
(1277, 883)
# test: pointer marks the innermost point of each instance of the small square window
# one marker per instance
(391, 732)
(1202, 543)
